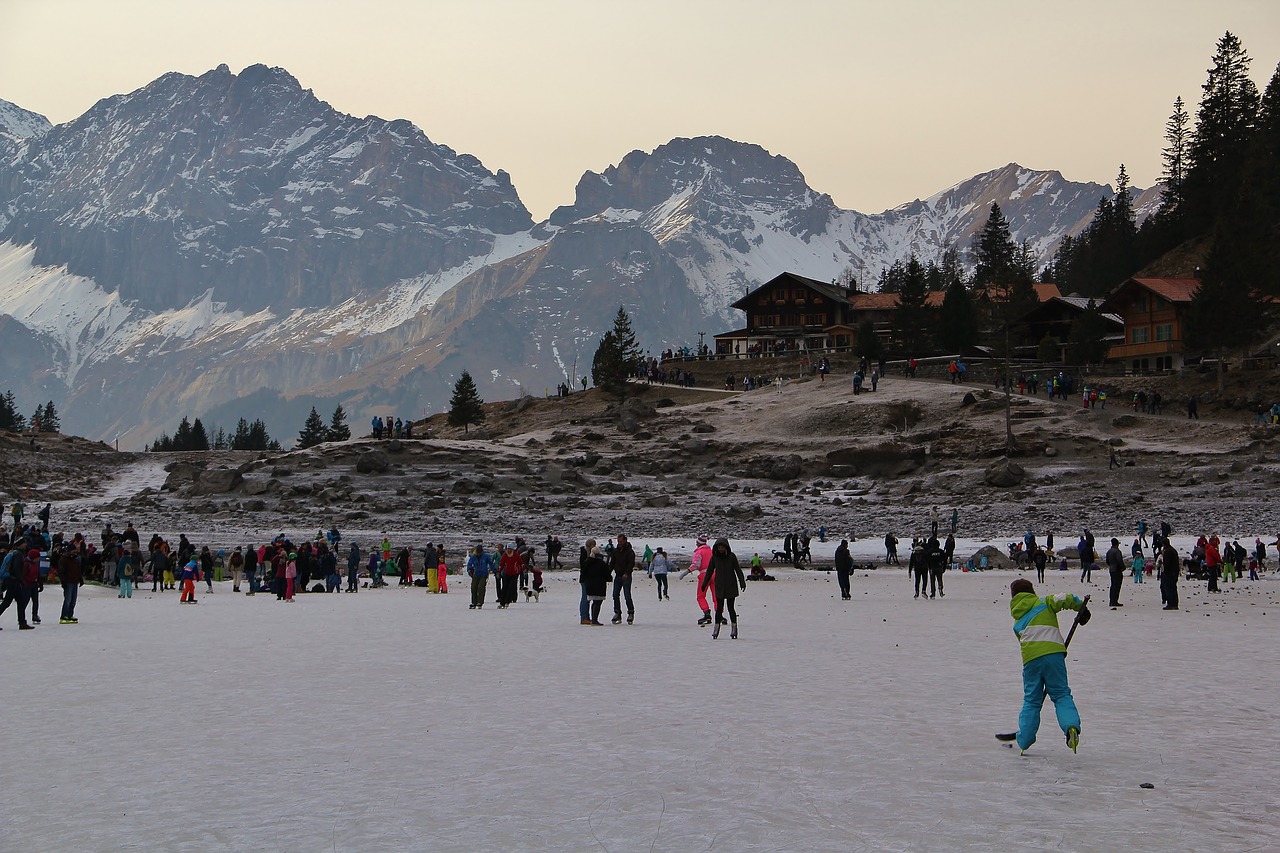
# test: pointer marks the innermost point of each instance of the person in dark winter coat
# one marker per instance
(1115, 566)
(594, 575)
(353, 568)
(918, 565)
(844, 565)
(71, 575)
(1169, 569)
(22, 575)
(622, 563)
(727, 576)
(937, 559)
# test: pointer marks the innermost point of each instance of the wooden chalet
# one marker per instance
(1152, 311)
(1053, 318)
(787, 314)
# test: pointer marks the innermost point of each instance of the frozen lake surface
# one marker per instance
(398, 720)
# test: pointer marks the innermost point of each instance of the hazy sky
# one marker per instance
(878, 102)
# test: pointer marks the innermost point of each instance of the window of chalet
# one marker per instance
(1164, 332)
(1138, 335)
(1140, 303)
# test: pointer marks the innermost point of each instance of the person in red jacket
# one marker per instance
(509, 569)
(24, 574)
(1213, 562)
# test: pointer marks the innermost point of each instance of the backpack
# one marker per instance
(6, 566)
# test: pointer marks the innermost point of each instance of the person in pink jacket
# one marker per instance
(290, 577)
(701, 563)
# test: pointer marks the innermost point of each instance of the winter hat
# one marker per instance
(1115, 541)
(702, 540)
(293, 556)
(511, 546)
(1021, 585)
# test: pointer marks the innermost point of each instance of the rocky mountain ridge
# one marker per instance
(179, 247)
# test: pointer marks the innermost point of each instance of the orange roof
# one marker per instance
(1172, 289)
(1046, 291)
(889, 301)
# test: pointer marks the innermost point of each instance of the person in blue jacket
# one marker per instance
(479, 564)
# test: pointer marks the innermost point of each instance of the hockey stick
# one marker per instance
(1075, 623)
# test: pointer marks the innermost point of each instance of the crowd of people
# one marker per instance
(30, 557)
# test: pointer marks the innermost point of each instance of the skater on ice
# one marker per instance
(1044, 660)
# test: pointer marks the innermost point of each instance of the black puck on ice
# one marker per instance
(1146, 785)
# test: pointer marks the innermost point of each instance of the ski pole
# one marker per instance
(1075, 623)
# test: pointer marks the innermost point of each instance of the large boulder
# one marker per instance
(784, 468)
(216, 481)
(373, 462)
(1004, 473)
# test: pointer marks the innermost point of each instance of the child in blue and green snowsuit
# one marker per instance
(1044, 659)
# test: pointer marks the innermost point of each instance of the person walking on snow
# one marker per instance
(726, 574)
(1044, 660)
(660, 566)
(1115, 566)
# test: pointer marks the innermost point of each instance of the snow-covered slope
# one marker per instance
(17, 123)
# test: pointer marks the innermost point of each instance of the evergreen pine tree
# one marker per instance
(49, 421)
(1218, 149)
(868, 344)
(1174, 158)
(994, 251)
(182, 436)
(910, 320)
(617, 357)
(1086, 344)
(259, 439)
(240, 440)
(199, 438)
(465, 406)
(313, 431)
(957, 319)
(220, 440)
(338, 429)
(10, 417)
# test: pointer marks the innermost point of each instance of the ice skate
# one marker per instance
(1073, 739)
(733, 630)
(715, 632)
(617, 618)
(631, 618)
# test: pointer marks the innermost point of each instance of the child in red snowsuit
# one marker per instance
(190, 574)
(442, 573)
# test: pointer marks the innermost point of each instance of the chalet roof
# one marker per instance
(1075, 303)
(831, 291)
(1047, 290)
(889, 301)
(1172, 289)
(1175, 290)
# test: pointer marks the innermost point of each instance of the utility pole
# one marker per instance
(700, 337)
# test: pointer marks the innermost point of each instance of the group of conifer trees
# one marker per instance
(44, 418)
(1219, 207)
